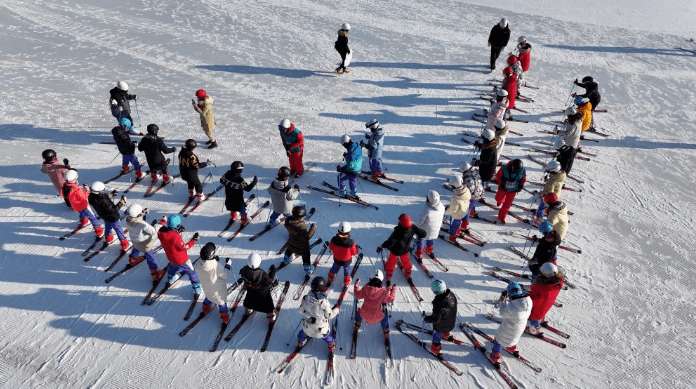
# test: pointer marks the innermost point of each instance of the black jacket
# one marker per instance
(153, 147)
(121, 98)
(298, 239)
(545, 252)
(566, 157)
(399, 241)
(487, 161)
(258, 289)
(499, 37)
(123, 141)
(234, 187)
(189, 165)
(104, 207)
(444, 312)
(591, 92)
(341, 44)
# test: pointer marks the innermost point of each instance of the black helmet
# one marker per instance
(190, 144)
(299, 212)
(516, 166)
(48, 155)
(284, 173)
(318, 284)
(208, 251)
(237, 165)
(152, 129)
(587, 79)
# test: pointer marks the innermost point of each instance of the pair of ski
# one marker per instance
(457, 245)
(400, 323)
(580, 151)
(510, 213)
(317, 261)
(207, 179)
(433, 258)
(571, 249)
(284, 264)
(378, 182)
(267, 228)
(231, 221)
(207, 197)
(367, 172)
(223, 326)
(103, 247)
(581, 136)
(554, 153)
(150, 299)
(526, 257)
(249, 220)
(542, 163)
(136, 182)
(153, 188)
(540, 336)
(476, 215)
(127, 267)
(334, 192)
(307, 217)
(202, 315)
(467, 235)
(387, 342)
(564, 187)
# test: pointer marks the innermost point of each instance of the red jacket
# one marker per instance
(77, 196)
(343, 247)
(174, 247)
(510, 85)
(371, 310)
(543, 293)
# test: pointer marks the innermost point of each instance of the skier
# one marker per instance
(258, 285)
(557, 214)
(498, 39)
(105, 208)
(498, 108)
(188, 167)
(525, 52)
(54, 169)
(510, 85)
(543, 292)
(459, 205)
(204, 107)
(444, 314)
(398, 245)
(153, 147)
(293, 141)
(373, 296)
(316, 313)
(282, 196)
(176, 251)
(514, 63)
(234, 190)
(488, 159)
(573, 127)
(472, 180)
(510, 178)
(546, 250)
(374, 145)
(120, 107)
(585, 107)
(349, 172)
(430, 221)
(566, 155)
(143, 236)
(554, 183)
(515, 307)
(213, 277)
(341, 46)
(127, 148)
(298, 241)
(76, 198)
(501, 130)
(591, 91)
(343, 249)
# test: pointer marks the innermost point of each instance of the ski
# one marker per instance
(516, 354)
(125, 269)
(271, 324)
(249, 220)
(594, 131)
(283, 264)
(223, 328)
(556, 331)
(457, 245)
(99, 250)
(292, 355)
(541, 336)
(285, 246)
(424, 345)
(236, 328)
(480, 347)
(93, 245)
(328, 377)
(136, 182)
(204, 314)
(334, 192)
(167, 286)
(188, 204)
(267, 228)
(519, 253)
(116, 177)
(73, 232)
(409, 280)
(384, 177)
(300, 288)
(342, 295)
(231, 221)
(428, 331)
(207, 197)
(437, 262)
(115, 261)
(387, 341)
(422, 265)
(154, 286)
(354, 339)
(463, 235)
(162, 185)
(564, 187)
(530, 238)
(192, 306)
(378, 182)
(600, 111)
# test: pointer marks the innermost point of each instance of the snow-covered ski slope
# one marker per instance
(418, 67)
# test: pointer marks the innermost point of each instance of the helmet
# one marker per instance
(318, 284)
(208, 251)
(134, 210)
(345, 139)
(502, 93)
(487, 135)
(514, 290)
(372, 124)
(378, 275)
(587, 79)
(48, 155)
(237, 166)
(466, 166)
(174, 221)
(190, 144)
(499, 123)
(201, 94)
(125, 122)
(405, 221)
(299, 212)
(571, 111)
(507, 71)
(344, 227)
(122, 86)
(438, 286)
(70, 175)
(553, 166)
(503, 23)
(548, 269)
(284, 125)
(521, 39)
(558, 143)
(516, 166)
(254, 261)
(512, 59)
(580, 100)
(345, 26)
(545, 227)
(97, 187)
(551, 198)
(434, 197)
(456, 180)
(284, 173)
(152, 129)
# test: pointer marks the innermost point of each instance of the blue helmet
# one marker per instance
(174, 221)
(579, 100)
(545, 227)
(438, 286)
(514, 290)
(126, 122)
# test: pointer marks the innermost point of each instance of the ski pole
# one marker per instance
(294, 332)
(137, 112)
(117, 154)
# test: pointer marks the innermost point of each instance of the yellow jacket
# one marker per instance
(558, 217)
(554, 184)
(586, 110)
(206, 112)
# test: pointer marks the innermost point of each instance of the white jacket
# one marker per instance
(282, 201)
(142, 234)
(459, 203)
(571, 133)
(497, 112)
(213, 277)
(472, 180)
(430, 219)
(316, 307)
(515, 314)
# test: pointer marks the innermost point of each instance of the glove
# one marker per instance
(367, 136)
(207, 161)
(296, 187)
(338, 168)
(423, 315)
(535, 238)
(475, 162)
(122, 202)
(196, 237)
(362, 143)
(66, 162)
(379, 249)
(174, 147)
(477, 144)
(113, 193)
(114, 102)
(575, 82)
(135, 97)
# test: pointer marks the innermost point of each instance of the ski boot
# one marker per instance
(125, 245)
(124, 169)
(156, 274)
(110, 238)
(435, 348)
(225, 317)
(99, 230)
(207, 308)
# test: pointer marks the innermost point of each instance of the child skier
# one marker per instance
(498, 108)
(343, 249)
(430, 221)
(557, 214)
(510, 86)
(591, 91)
(459, 205)
(176, 251)
(204, 107)
(585, 107)
(54, 169)
(298, 241)
(472, 180)
(258, 287)
(119, 97)
(525, 52)
(77, 198)
(293, 142)
(488, 160)
(515, 307)
(501, 130)
(566, 155)
(188, 166)
(282, 196)
(373, 296)
(105, 208)
(213, 277)
(127, 148)
(543, 292)
(143, 236)
(374, 145)
(316, 313)
(398, 244)
(153, 147)
(349, 172)
(546, 250)
(510, 178)
(444, 314)
(498, 39)
(234, 190)
(341, 45)
(573, 128)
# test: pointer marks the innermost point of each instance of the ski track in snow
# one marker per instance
(418, 68)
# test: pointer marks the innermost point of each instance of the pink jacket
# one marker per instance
(497, 112)
(55, 171)
(371, 310)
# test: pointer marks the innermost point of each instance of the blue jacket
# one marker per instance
(512, 182)
(353, 158)
(375, 142)
(293, 141)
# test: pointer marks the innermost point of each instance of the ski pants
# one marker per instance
(194, 183)
(422, 243)
(505, 198)
(222, 308)
(116, 227)
(296, 162)
(454, 226)
(132, 159)
(540, 210)
(384, 323)
(376, 166)
(472, 207)
(186, 268)
(337, 266)
(328, 338)
(496, 348)
(352, 182)
(85, 213)
(437, 337)
(149, 257)
(391, 263)
(306, 256)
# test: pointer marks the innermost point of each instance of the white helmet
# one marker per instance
(345, 26)
(70, 175)
(503, 23)
(548, 269)
(521, 39)
(466, 166)
(499, 123)
(97, 187)
(122, 86)
(558, 143)
(372, 124)
(134, 210)
(456, 180)
(571, 110)
(488, 135)
(502, 93)
(344, 227)
(345, 139)
(285, 123)
(433, 197)
(553, 166)
(379, 275)
(254, 261)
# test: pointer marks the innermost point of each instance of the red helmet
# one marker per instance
(507, 71)
(512, 59)
(405, 221)
(551, 198)
(201, 94)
